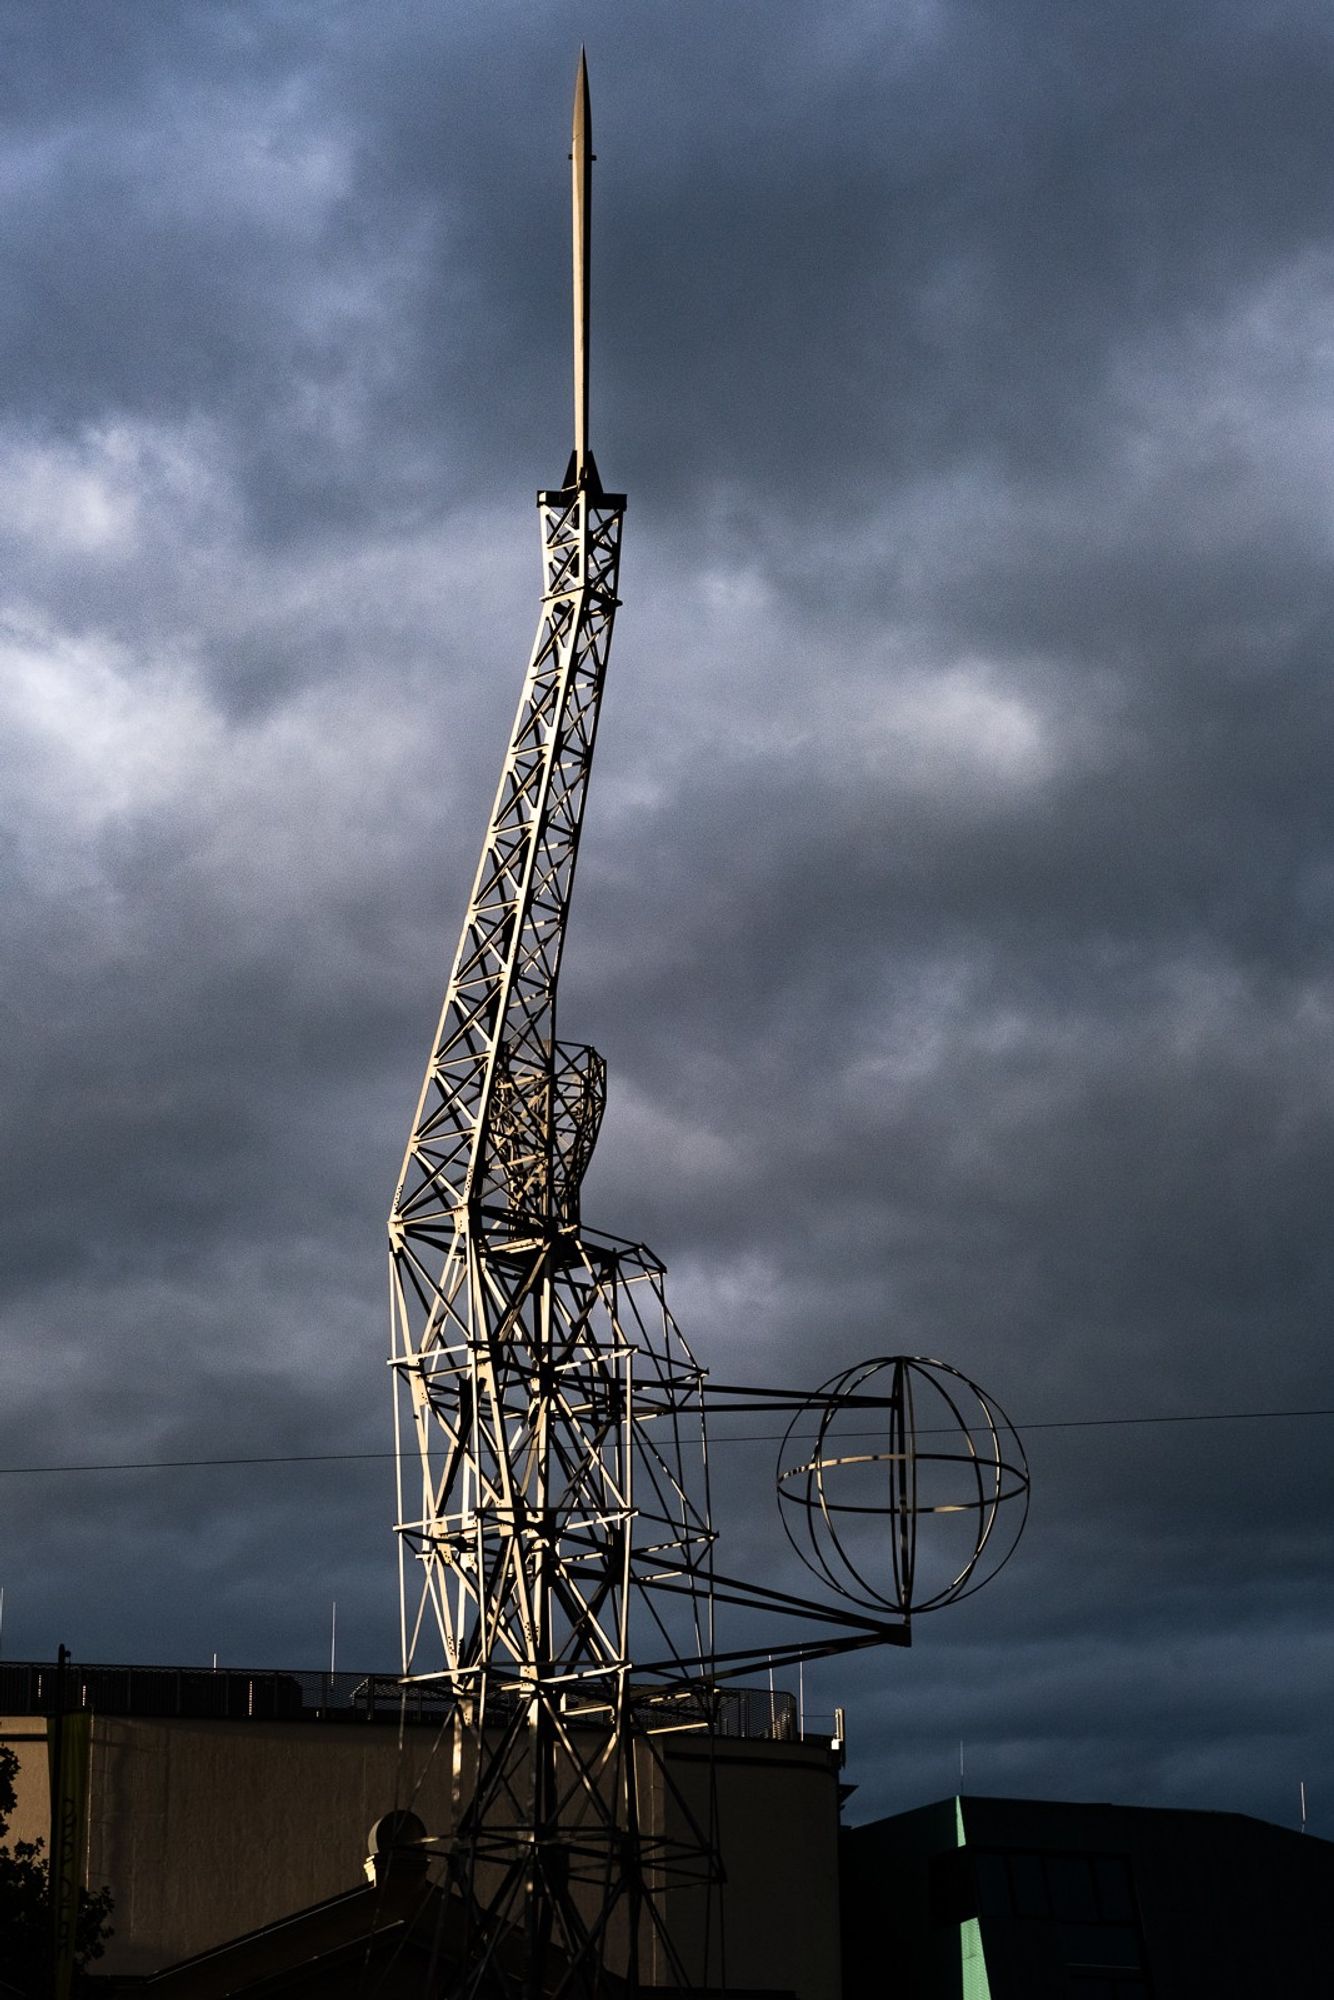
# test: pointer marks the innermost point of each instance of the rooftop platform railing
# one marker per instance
(234, 1694)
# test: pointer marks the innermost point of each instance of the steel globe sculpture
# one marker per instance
(912, 1446)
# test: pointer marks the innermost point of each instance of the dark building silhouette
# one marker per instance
(1026, 1899)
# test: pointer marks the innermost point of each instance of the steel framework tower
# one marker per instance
(556, 1412)
(554, 1526)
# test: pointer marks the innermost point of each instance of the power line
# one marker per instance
(736, 1437)
(193, 1464)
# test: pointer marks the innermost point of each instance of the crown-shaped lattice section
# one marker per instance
(553, 1424)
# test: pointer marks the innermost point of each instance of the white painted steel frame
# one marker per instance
(557, 1520)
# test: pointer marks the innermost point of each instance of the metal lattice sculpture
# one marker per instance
(549, 1395)
(554, 1531)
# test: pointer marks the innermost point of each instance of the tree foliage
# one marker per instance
(25, 1902)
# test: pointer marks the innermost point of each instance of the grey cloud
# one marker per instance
(953, 908)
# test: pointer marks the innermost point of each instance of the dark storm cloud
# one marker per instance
(832, 250)
(954, 910)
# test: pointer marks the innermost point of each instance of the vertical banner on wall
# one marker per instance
(67, 1743)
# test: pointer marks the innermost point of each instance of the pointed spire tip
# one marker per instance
(581, 155)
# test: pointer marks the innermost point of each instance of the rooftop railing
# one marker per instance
(233, 1694)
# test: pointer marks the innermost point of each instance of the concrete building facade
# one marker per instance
(208, 1826)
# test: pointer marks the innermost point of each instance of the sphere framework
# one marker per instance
(908, 1445)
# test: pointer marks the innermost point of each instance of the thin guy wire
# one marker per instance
(737, 1437)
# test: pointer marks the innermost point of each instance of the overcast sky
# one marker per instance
(955, 905)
